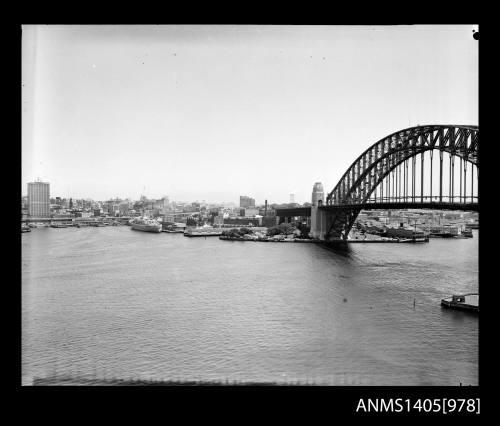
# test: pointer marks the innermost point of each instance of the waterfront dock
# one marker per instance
(396, 240)
(305, 240)
(202, 234)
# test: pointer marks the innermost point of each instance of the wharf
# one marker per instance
(300, 240)
(211, 234)
(286, 240)
(406, 240)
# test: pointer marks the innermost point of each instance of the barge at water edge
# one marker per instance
(458, 301)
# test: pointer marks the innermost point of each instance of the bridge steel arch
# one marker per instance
(370, 169)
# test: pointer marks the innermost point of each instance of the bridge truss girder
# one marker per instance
(370, 169)
(378, 161)
(341, 222)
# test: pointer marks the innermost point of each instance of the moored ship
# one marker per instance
(445, 231)
(472, 225)
(58, 225)
(203, 231)
(406, 233)
(146, 225)
(467, 233)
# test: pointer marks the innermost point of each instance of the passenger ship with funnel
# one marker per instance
(145, 224)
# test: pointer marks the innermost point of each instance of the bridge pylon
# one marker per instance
(318, 223)
(326, 224)
(332, 225)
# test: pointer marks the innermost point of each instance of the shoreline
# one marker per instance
(395, 241)
(68, 380)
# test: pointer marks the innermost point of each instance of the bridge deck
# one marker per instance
(293, 211)
(306, 211)
(407, 205)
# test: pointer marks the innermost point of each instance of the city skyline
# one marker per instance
(108, 110)
(170, 200)
(53, 196)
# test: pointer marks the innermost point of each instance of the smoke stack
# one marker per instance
(265, 208)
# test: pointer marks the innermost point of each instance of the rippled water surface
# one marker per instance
(112, 302)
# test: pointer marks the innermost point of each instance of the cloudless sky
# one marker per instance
(215, 112)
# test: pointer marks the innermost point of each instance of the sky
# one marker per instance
(214, 112)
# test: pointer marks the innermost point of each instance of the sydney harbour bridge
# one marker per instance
(424, 167)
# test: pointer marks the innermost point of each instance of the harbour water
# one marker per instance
(104, 302)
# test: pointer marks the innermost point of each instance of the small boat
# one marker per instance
(25, 228)
(466, 232)
(458, 301)
(177, 228)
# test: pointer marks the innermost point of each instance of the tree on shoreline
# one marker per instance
(281, 229)
(236, 233)
(191, 222)
(304, 230)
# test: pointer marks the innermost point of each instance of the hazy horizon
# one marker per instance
(214, 112)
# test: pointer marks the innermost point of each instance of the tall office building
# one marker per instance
(318, 194)
(38, 199)
(292, 198)
(165, 204)
(246, 202)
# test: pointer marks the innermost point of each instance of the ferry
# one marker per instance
(174, 228)
(97, 224)
(145, 224)
(458, 301)
(58, 225)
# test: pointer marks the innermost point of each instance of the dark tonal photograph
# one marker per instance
(250, 205)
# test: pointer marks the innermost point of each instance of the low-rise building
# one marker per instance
(242, 221)
(269, 221)
(250, 212)
(83, 214)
